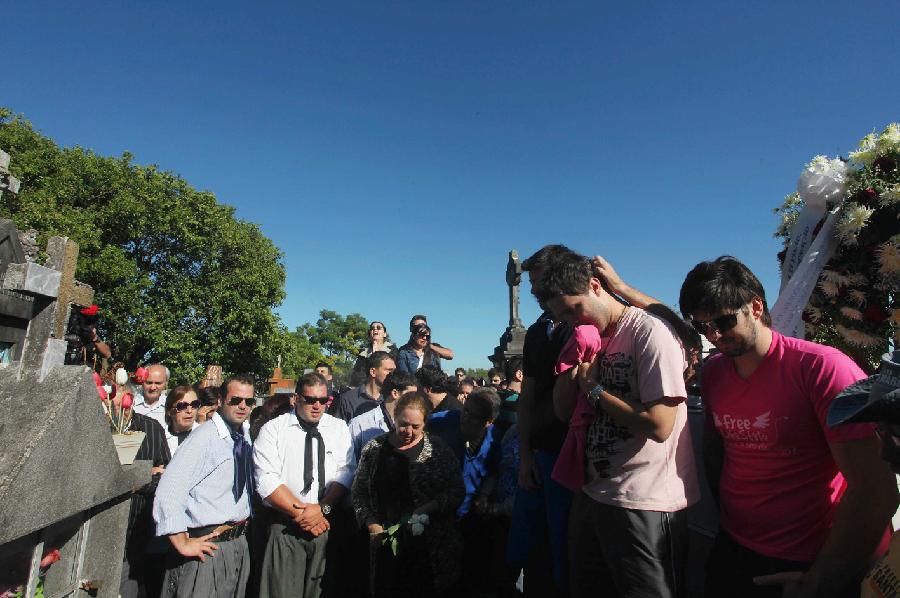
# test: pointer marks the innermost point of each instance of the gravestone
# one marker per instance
(513, 338)
(61, 484)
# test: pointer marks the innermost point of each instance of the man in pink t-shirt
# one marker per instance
(794, 494)
(628, 524)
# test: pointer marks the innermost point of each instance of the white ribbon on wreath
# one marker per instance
(821, 185)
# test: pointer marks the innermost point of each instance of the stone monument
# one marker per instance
(513, 337)
(61, 484)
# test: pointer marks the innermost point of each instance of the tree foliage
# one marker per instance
(178, 278)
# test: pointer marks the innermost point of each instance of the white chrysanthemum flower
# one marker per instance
(857, 297)
(822, 182)
(857, 338)
(853, 314)
(890, 196)
(889, 140)
(829, 288)
(888, 255)
(865, 154)
(853, 219)
(835, 277)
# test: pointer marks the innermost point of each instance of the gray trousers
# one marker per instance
(619, 552)
(223, 575)
(294, 564)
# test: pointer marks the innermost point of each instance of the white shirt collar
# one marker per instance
(225, 430)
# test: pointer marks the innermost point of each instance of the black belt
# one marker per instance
(230, 531)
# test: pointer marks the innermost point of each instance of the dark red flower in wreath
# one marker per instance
(885, 164)
(875, 313)
(781, 256)
(90, 311)
(865, 197)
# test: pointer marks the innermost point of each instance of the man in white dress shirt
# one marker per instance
(152, 399)
(304, 465)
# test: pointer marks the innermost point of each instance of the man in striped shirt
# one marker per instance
(203, 501)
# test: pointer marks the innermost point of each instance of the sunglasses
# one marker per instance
(377, 328)
(179, 407)
(249, 401)
(720, 324)
(425, 336)
(314, 400)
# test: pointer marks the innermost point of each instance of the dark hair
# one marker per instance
(241, 378)
(209, 395)
(323, 364)
(489, 396)
(569, 274)
(309, 380)
(467, 380)
(542, 257)
(513, 365)
(689, 336)
(376, 359)
(458, 370)
(176, 394)
(274, 406)
(417, 317)
(383, 325)
(722, 284)
(414, 400)
(397, 380)
(431, 378)
(494, 372)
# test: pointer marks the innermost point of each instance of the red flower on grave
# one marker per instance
(50, 557)
(875, 314)
(97, 379)
(90, 311)
(127, 400)
(140, 375)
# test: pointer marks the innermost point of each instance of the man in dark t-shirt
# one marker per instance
(541, 507)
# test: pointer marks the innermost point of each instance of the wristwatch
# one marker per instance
(326, 508)
(595, 392)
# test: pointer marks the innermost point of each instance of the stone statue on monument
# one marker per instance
(514, 337)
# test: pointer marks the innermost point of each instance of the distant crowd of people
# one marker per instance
(568, 473)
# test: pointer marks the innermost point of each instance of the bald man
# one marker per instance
(152, 399)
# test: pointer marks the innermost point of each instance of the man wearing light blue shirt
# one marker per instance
(204, 495)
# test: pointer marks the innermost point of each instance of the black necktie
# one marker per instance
(243, 466)
(312, 431)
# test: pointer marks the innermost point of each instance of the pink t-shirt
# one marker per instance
(780, 485)
(581, 347)
(642, 362)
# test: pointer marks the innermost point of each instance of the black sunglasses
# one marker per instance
(249, 401)
(314, 400)
(182, 406)
(720, 324)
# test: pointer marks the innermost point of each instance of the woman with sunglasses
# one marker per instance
(417, 353)
(182, 405)
(378, 341)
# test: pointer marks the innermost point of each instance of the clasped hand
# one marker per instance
(309, 518)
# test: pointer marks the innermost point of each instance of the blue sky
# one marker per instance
(396, 151)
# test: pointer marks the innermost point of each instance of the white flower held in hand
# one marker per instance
(121, 376)
(417, 523)
(417, 528)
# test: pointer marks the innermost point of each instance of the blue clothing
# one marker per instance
(475, 468)
(408, 361)
(195, 490)
(368, 425)
(540, 514)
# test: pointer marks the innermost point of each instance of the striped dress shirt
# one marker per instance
(195, 490)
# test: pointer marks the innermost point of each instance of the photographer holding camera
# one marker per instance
(84, 346)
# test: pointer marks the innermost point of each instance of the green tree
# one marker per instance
(178, 278)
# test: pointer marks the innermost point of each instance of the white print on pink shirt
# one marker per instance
(760, 433)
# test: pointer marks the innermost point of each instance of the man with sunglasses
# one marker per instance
(304, 468)
(794, 494)
(203, 501)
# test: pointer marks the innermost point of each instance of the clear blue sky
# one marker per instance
(396, 151)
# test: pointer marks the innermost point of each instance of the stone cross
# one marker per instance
(7, 181)
(514, 279)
